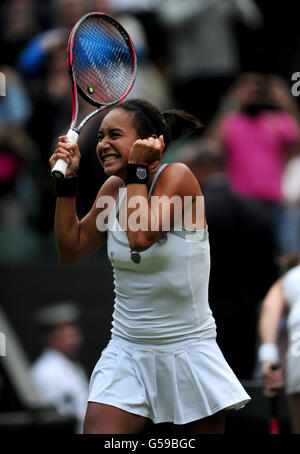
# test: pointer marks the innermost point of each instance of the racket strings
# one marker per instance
(103, 63)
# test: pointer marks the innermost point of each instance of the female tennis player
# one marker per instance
(282, 299)
(162, 362)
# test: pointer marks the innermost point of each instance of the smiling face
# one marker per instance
(115, 138)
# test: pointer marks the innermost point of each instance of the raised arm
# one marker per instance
(175, 191)
(77, 239)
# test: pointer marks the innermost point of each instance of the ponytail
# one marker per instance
(148, 120)
(181, 123)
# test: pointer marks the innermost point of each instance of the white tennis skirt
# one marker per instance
(178, 383)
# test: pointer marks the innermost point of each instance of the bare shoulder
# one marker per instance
(178, 170)
(178, 178)
(111, 186)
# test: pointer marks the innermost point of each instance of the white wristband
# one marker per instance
(268, 352)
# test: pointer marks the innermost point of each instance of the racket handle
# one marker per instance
(72, 136)
(60, 169)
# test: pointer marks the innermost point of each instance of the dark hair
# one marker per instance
(148, 120)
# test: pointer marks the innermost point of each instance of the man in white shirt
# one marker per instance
(61, 381)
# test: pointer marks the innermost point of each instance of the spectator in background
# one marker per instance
(202, 50)
(19, 200)
(60, 379)
(15, 104)
(33, 57)
(242, 257)
(18, 161)
(18, 24)
(282, 298)
(135, 6)
(51, 101)
(259, 131)
(150, 84)
(52, 92)
(291, 197)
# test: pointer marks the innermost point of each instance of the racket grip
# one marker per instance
(60, 169)
(72, 136)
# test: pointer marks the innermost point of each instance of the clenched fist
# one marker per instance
(146, 151)
(69, 153)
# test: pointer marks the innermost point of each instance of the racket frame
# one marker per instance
(273, 402)
(60, 168)
(76, 87)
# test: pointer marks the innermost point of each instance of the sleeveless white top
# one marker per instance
(164, 298)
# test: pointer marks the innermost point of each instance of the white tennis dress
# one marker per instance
(291, 293)
(163, 361)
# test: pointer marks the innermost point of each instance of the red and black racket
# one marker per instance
(102, 67)
(273, 401)
(274, 422)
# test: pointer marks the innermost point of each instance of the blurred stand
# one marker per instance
(202, 49)
(257, 125)
(15, 106)
(60, 379)
(21, 410)
(19, 197)
(19, 23)
(291, 197)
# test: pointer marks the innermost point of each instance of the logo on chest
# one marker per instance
(135, 256)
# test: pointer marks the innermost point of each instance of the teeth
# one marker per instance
(110, 158)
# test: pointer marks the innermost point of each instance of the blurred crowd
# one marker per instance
(212, 58)
(222, 60)
(194, 55)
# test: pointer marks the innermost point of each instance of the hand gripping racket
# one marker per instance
(102, 67)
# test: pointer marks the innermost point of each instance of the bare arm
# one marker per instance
(272, 311)
(77, 239)
(174, 183)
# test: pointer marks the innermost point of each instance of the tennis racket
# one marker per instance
(274, 421)
(273, 401)
(102, 67)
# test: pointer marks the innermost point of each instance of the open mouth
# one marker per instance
(110, 158)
